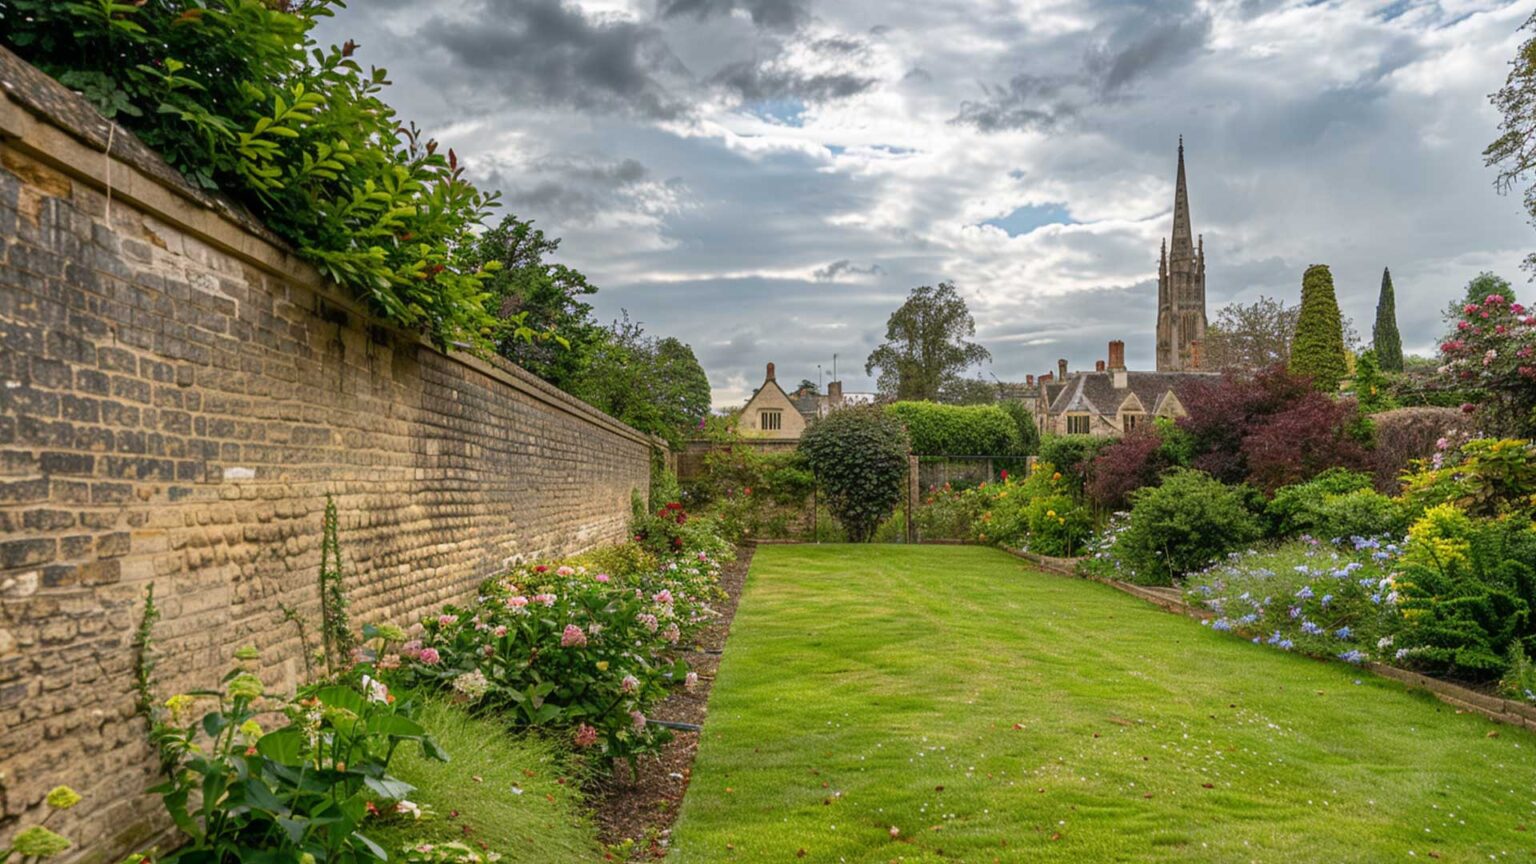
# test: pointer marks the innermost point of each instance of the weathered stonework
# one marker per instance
(178, 395)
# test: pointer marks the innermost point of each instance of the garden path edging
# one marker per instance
(1495, 708)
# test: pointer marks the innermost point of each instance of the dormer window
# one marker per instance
(1130, 421)
(770, 420)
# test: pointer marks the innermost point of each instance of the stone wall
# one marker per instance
(178, 396)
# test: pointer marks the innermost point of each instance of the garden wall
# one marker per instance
(178, 395)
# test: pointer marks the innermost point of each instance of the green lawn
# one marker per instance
(993, 713)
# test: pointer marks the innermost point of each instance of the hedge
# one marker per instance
(957, 430)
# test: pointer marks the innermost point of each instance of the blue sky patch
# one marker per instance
(1031, 216)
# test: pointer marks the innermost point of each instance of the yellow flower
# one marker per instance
(38, 842)
(178, 704)
(62, 798)
(250, 729)
(602, 665)
(245, 686)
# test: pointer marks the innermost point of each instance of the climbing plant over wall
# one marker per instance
(238, 97)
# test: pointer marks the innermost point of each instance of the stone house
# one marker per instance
(770, 413)
(1110, 400)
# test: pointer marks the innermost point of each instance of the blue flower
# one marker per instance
(1305, 593)
(1250, 618)
(1327, 598)
(1295, 612)
(1309, 628)
(1221, 624)
(1352, 656)
(1343, 632)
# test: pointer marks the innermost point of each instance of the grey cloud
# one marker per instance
(754, 82)
(1129, 45)
(781, 15)
(568, 190)
(843, 267)
(547, 52)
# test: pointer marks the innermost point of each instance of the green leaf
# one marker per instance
(284, 746)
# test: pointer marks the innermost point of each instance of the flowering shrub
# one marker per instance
(948, 512)
(1485, 477)
(1324, 599)
(1039, 514)
(301, 792)
(1493, 354)
(566, 646)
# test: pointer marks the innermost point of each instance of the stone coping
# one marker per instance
(49, 122)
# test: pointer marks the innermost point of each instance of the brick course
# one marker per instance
(178, 395)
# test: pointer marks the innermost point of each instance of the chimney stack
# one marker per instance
(1061, 367)
(1116, 354)
(1047, 378)
(770, 372)
(1098, 366)
(835, 394)
(1029, 380)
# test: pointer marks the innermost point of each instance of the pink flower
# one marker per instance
(546, 599)
(648, 621)
(411, 650)
(429, 656)
(691, 680)
(517, 602)
(638, 720)
(1442, 444)
(602, 577)
(389, 661)
(630, 684)
(488, 650)
(447, 620)
(586, 736)
(672, 634)
(565, 571)
(500, 631)
(573, 637)
(664, 597)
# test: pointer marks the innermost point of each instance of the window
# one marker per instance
(1130, 421)
(1077, 424)
(770, 420)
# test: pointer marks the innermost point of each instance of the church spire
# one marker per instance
(1183, 235)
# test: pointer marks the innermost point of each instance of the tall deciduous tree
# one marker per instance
(654, 385)
(926, 345)
(549, 296)
(1251, 336)
(1317, 352)
(1384, 336)
(1514, 151)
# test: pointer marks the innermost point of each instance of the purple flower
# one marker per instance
(1343, 632)
(1352, 656)
(1305, 593)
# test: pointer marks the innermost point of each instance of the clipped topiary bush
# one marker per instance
(1181, 525)
(957, 430)
(1318, 349)
(859, 455)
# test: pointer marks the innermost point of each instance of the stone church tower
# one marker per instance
(1181, 289)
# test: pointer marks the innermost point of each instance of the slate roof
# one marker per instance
(1095, 392)
(808, 404)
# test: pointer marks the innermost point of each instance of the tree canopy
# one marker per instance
(654, 385)
(926, 344)
(1251, 336)
(1385, 339)
(1318, 352)
(1514, 151)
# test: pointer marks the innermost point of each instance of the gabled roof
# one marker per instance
(1095, 392)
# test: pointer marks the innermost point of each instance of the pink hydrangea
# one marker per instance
(546, 599)
(648, 621)
(664, 597)
(565, 571)
(500, 631)
(630, 684)
(586, 735)
(411, 650)
(638, 720)
(389, 661)
(488, 650)
(573, 637)
(602, 577)
(429, 656)
(447, 620)
(671, 634)
(517, 602)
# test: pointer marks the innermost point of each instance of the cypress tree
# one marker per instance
(1384, 336)
(1317, 352)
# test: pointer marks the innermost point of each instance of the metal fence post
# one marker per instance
(913, 494)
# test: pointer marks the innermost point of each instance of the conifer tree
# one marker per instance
(1384, 336)
(1317, 352)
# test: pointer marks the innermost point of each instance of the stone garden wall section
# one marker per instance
(178, 395)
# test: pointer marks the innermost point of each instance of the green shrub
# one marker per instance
(860, 457)
(957, 430)
(1317, 351)
(1181, 525)
(1073, 455)
(1294, 508)
(1466, 591)
(1362, 513)
(1024, 421)
(1485, 477)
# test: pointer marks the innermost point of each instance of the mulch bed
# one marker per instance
(643, 808)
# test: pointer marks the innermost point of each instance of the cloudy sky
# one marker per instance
(766, 179)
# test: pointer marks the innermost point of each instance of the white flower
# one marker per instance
(407, 807)
(376, 690)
